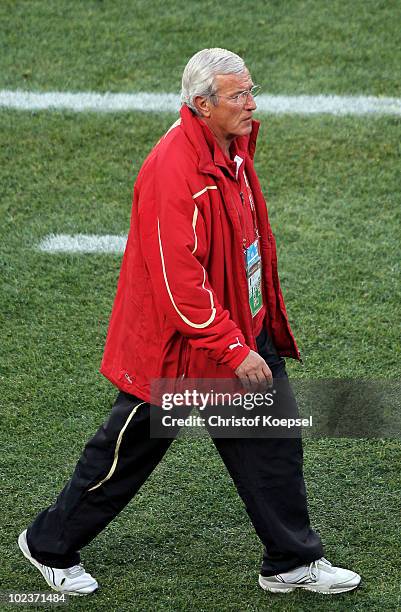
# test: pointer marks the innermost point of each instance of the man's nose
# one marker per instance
(250, 103)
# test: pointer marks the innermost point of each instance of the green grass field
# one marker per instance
(332, 184)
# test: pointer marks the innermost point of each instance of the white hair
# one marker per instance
(199, 74)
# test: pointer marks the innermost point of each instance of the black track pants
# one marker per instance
(267, 473)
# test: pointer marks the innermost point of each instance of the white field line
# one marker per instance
(82, 243)
(168, 102)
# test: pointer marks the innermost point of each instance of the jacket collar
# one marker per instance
(211, 157)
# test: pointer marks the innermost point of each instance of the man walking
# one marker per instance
(198, 297)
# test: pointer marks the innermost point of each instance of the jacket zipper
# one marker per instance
(182, 376)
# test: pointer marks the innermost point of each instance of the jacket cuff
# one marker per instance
(235, 357)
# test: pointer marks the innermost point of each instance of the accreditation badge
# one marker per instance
(253, 265)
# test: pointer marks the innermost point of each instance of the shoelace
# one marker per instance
(314, 569)
(74, 571)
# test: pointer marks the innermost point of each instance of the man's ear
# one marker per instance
(202, 105)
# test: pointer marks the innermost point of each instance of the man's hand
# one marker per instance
(254, 373)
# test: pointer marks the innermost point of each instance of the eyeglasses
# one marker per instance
(241, 98)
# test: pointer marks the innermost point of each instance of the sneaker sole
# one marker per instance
(23, 545)
(277, 588)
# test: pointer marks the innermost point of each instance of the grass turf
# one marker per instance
(297, 46)
(185, 543)
(187, 532)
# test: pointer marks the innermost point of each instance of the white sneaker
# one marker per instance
(319, 576)
(71, 580)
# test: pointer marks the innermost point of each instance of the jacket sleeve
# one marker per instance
(172, 234)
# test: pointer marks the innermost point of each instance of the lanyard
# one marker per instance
(253, 211)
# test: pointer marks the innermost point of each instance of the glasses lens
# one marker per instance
(242, 98)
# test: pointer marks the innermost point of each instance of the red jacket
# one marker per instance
(181, 307)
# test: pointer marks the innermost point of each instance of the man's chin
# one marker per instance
(246, 127)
